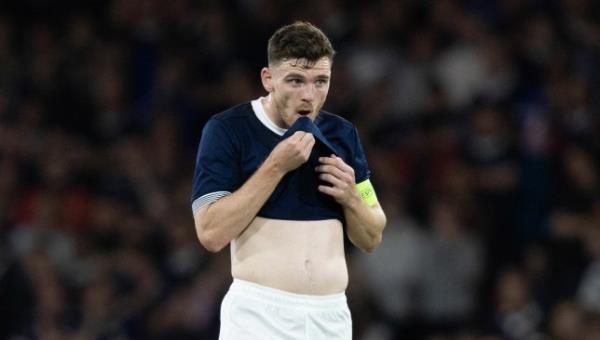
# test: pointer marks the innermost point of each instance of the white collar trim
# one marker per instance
(260, 113)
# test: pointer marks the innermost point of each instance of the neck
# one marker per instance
(271, 111)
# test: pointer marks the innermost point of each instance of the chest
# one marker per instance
(256, 144)
(296, 197)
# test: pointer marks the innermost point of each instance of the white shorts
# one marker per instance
(250, 311)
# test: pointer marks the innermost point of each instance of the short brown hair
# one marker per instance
(300, 40)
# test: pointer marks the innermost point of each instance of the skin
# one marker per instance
(295, 87)
(280, 253)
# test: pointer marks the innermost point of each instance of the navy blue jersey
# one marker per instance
(235, 143)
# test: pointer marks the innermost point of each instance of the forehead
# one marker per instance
(320, 67)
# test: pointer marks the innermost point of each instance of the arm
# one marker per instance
(220, 222)
(364, 223)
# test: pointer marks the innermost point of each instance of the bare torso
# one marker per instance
(305, 257)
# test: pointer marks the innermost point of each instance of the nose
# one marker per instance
(308, 93)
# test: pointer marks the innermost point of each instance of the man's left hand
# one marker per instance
(340, 175)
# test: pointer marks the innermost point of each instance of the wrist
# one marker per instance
(353, 201)
(273, 168)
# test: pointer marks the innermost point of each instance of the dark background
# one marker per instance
(479, 118)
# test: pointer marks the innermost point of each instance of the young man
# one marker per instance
(282, 180)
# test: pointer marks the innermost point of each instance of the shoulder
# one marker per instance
(227, 125)
(230, 121)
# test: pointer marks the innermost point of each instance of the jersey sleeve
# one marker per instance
(217, 172)
(359, 160)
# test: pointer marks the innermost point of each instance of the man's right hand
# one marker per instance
(292, 152)
(222, 221)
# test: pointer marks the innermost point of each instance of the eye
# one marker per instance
(295, 81)
(321, 82)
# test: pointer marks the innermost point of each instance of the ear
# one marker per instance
(267, 79)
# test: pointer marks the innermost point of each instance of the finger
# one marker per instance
(331, 169)
(333, 160)
(338, 163)
(307, 138)
(336, 182)
(297, 136)
(343, 165)
(302, 135)
(310, 142)
(327, 160)
(331, 191)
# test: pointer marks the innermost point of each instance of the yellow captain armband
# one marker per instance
(367, 193)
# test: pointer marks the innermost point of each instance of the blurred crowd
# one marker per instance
(478, 117)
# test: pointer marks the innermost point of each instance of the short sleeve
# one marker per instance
(217, 172)
(359, 160)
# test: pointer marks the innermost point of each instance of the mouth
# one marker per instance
(304, 112)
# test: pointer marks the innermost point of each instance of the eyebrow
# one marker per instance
(294, 74)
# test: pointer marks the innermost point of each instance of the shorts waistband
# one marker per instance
(281, 297)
